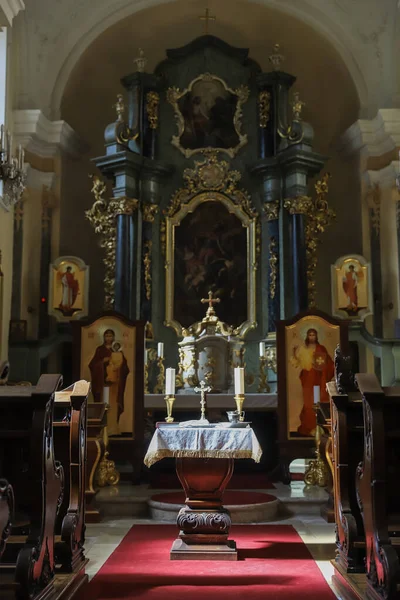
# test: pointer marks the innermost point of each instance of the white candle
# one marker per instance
(239, 381)
(160, 350)
(106, 395)
(317, 394)
(146, 353)
(262, 349)
(170, 382)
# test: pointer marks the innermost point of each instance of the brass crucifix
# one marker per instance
(206, 19)
(203, 390)
(210, 301)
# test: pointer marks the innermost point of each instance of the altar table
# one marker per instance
(204, 464)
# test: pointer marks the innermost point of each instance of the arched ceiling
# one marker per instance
(51, 36)
(323, 79)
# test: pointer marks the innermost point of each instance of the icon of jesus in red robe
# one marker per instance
(317, 369)
(350, 281)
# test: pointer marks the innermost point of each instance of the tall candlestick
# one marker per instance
(106, 395)
(239, 380)
(317, 394)
(170, 382)
(262, 349)
(160, 350)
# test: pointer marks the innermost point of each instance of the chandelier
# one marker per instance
(11, 170)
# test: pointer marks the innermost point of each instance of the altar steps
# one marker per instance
(126, 500)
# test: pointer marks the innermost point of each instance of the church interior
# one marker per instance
(199, 299)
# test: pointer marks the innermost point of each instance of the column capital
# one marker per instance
(8, 10)
(385, 178)
(45, 138)
(37, 179)
(372, 137)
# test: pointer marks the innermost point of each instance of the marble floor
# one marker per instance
(319, 536)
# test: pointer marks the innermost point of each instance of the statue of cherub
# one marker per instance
(98, 188)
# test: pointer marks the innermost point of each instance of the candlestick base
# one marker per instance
(169, 399)
(239, 399)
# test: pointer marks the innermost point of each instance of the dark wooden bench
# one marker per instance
(378, 480)
(70, 427)
(27, 462)
(347, 425)
(6, 512)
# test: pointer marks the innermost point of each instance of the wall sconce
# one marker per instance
(11, 170)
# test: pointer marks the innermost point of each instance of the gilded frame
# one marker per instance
(175, 94)
(250, 222)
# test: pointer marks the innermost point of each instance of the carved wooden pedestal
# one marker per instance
(204, 523)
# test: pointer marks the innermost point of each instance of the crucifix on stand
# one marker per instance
(203, 390)
(210, 301)
(206, 18)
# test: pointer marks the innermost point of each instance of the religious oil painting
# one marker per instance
(108, 348)
(210, 255)
(68, 288)
(208, 115)
(310, 344)
(351, 287)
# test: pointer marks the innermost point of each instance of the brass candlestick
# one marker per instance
(203, 391)
(263, 379)
(160, 385)
(239, 399)
(316, 472)
(106, 473)
(169, 399)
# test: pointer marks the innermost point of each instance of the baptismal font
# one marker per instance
(209, 351)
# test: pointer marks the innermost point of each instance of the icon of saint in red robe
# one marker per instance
(70, 291)
(109, 370)
(350, 281)
(317, 369)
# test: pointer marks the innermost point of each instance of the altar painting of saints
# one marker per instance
(208, 110)
(352, 287)
(70, 290)
(310, 347)
(210, 254)
(107, 362)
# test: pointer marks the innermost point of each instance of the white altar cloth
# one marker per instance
(202, 442)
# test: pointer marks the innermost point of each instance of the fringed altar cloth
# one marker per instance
(199, 442)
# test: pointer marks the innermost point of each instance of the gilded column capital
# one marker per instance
(123, 205)
(271, 210)
(298, 205)
(149, 212)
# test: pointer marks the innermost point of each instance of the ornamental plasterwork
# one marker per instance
(209, 175)
(199, 116)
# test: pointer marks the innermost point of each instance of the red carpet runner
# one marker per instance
(274, 564)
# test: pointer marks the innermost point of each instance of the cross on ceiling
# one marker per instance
(206, 18)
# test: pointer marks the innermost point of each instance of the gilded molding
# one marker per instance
(297, 107)
(273, 267)
(147, 268)
(123, 132)
(271, 210)
(264, 106)
(319, 218)
(102, 217)
(270, 355)
(174, 94)
(149, 212)
(19, 214)
(209, 175)
(152, 104)
(298, 205)
(375, 204)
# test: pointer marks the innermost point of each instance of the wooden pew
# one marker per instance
(378, 487)
(347, 452)
(27, 461)
(70, 426)
(6, 512)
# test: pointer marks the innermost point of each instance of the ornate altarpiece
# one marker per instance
(207, 118)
